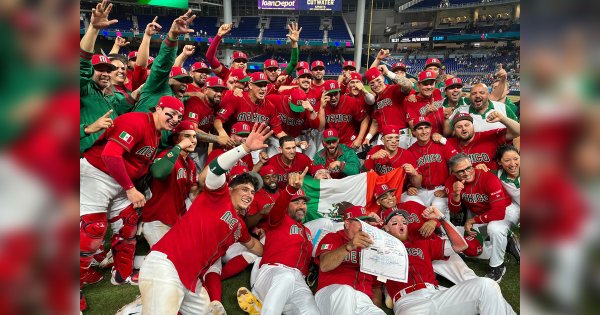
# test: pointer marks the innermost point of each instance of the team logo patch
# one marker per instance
(170, 154)
(222, 111)
(126, 137)
(326, 246)
(193, 115)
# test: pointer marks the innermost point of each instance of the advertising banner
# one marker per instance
(301, 5)
(278, 4)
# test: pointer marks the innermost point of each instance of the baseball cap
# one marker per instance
(390, 129)
(181, 75)
(372, 74)
(357, 213)
(421, 121)
(392, 212)
(267, 170)
(240, 128)
(102, 60)
(330, 134)
(132, 55)
(381, 189)
(304, 72)
(184, 125)
(331, 86)
(170, 102)
(240, 75)
(239, 55)
(300, 195)
(454, 81)
(315, 168)
(296, 98)
(349, 64)
(426, 75)
(461, 116)
(475, 244)
(398, 65)
(432, 62)
(355, 76)
(258, 77)
(215, 83)
(200, 66)
(270, 63)
(317, 64)
(237, 170)
(301, 65)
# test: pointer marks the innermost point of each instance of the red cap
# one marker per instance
(427, 75)
(433, 62)
(237, 170)
(330, 134)
(461, 116)
(355, 76)
(372, 74)
(200, 66)
(316, 64)
(421, 121)
(399, 65)
(357, 212)
(267, 170)
(132, 55)
(303, 72)
(300, 195)
(270, 63)
(215, 83)
(475, 244)
(102, 60)
(239, 55)
(297, 96)
(315, 168)
(390, 129)
(302, 65)
(349, 63)
(392, 212)
(184, 125)
(180, 74)
(170, 102)
(381, 189)
(454, 81)
(258, 77)
(331, 86)
(239, 74)
(240, 128)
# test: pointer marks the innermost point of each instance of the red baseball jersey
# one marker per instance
(348, 272)
(262, 199)
(288, 243)
(346, 117)
(167, 204)
(203, 235)
(201, 112)
(418, 109)
(420, 255)
(292, 123)
(432, 160)
(388, 108)
(318, 88)
(300, 162)
(245, 161)
(243, 109)
(386, 165)
(484, 196)
(482, 147)
(138, 135)
(415, 219)
(224, 74)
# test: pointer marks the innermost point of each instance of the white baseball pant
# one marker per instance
(154, 231)
(427, 198)
(498, 231)
(283, 291)
(454, 268)
(99, 192)
(337, 299)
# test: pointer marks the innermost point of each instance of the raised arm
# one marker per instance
(458, 242)
(211, 53)
(294, 36)
(99, 20)
(144, 49)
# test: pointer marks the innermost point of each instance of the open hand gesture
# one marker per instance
(181, 25)
(294, 33)
(152, 27)
(121, 42)
(257, 137)
(295, 179)
(99, 19)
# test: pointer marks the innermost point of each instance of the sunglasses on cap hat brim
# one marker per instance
(243, 60)
(430, 81)
(364, 218)
(105, 67)
(394, 213)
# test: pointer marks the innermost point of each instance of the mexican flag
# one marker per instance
(359, 190)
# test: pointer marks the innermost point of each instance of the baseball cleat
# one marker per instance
(496, 273)
(90, 276)
(248, 302)
(216, 308)
(116, 278)
(513, 247)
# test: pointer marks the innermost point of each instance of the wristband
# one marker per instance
(369, 136)
(391, 75)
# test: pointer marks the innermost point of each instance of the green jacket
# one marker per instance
(349, 159)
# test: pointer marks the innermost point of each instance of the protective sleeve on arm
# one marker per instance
(112, 156)
(212, 52)
(293, 62)
(161, 168)
(215, 177)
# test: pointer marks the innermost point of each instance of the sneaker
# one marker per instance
(248, 302)
(496, 273)
(90, 276)
(116, 278)
(216, 308)
(107, 262)
(132, 308)
(513, 247)
(82, 302)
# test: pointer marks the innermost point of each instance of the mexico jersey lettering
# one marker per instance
(432, 161)
(288, 243)
(243, 109)
(292, 123)
(346, 117)
(482, 148)
(388, 108)
(385, 165)
(417, 109)
(300, 162)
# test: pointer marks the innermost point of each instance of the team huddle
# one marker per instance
(210, 163)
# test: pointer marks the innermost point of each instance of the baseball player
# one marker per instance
(388, 108)
(296, 113)
(453, 92)
(481, 146)
(239, 59)
(174, 179)
(142, 61)
(317, 68)
(509, 159)
(170, 278)
(200, 72)
(108, 170)
(343, 288)
(340, 160)
(288, 160)
(264, 199)
(427, 104)
(483, 195)
(421, 295)
(348, 68)
(320, 172)
(432, 162)
(118, 86)
(287, 255)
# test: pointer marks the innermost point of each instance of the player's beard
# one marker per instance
(271, 188)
